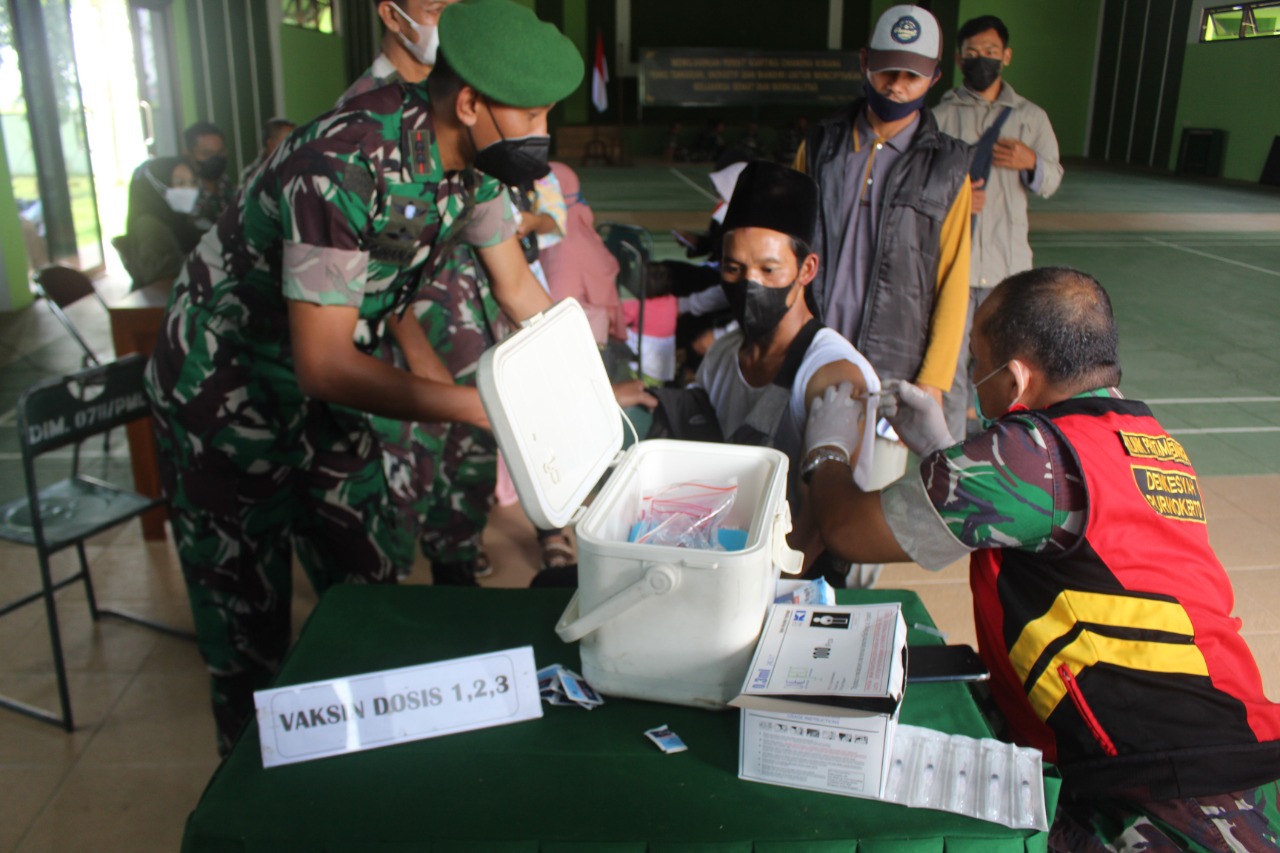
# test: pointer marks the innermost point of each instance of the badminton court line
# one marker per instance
(1196, 401)
(1223, 430)
(1212, 256)
(682, 176)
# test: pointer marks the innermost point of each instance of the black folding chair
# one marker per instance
(62, 287)
(51, 415)
(632, 246)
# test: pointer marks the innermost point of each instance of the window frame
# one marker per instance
(1209, 19)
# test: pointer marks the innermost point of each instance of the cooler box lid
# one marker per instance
(552, 409)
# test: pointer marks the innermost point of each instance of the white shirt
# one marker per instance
(733, 397)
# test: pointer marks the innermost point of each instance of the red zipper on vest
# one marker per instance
(1077, 698)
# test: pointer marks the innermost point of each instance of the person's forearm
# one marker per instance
(328, 367)
(366, 383)
(851, 521)
(420, 356)
(514, 287)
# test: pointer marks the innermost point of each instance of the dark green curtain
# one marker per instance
(359, 30)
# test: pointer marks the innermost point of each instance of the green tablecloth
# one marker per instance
(574, 780)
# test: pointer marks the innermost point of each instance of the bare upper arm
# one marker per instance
(833, 373)
(320, 334)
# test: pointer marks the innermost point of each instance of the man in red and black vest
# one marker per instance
(1101, 610)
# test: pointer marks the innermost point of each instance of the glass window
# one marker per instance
(310, 14)
(1243, 21)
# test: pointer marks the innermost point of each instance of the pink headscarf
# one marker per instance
(580, 266)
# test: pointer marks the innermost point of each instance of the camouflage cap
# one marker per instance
(505, 52)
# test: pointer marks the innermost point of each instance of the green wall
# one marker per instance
(575, 26)
(12, 249)
(314, 73)
(1230, 85)
(1053, 43)
(188, 105)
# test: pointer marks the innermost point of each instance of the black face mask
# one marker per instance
(758, 309)
(515, 161)
(212, 168)
(980, 72)
(887, 109)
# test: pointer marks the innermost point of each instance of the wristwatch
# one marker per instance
(817, 457)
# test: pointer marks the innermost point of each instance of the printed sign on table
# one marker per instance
(308, 721)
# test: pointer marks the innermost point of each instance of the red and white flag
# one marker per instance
(600, 77)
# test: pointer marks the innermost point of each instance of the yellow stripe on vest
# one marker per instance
(1090, 648)
(1072, 606)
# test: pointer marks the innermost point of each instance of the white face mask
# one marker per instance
(424, 49)
(181, 199)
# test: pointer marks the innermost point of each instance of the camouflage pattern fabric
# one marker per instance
(1012, 486)
(1239, 822)
(348, 215)
(443, 475)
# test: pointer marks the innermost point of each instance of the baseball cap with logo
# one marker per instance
(906, 38)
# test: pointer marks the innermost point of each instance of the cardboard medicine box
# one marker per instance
(821, 698)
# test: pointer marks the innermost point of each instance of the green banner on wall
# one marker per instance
(689, 77)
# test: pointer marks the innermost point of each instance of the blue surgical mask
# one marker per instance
(983, 421)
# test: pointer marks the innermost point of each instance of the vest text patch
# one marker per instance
(1163, 447)
(1173, 494)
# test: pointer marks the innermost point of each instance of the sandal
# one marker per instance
(557, 553)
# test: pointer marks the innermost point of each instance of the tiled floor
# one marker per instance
(143, 749)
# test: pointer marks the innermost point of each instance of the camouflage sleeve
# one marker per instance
(326, 205)
(916, 525)
(1014, 486)
(492, 222)
(489, 189)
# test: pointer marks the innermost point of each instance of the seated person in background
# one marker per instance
(703, 311)
(710, 143)
(761, 378)
(789, 139)
(580, 266)
(540, 219)
(675, 151)
(274, 132)
(653, 337)
(1101, 610)
(172, 202)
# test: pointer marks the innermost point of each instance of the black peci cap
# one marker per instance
(772, 196)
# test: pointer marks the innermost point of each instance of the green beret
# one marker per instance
(503, 51)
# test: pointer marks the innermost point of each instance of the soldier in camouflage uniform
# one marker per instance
(1101, 610)
(262, 377)
(442, 475)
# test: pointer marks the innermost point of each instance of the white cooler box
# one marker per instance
(656, 622)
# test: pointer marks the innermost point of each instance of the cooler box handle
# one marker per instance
(659, 579)
(785, 558)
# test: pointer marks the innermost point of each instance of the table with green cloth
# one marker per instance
(574, 780)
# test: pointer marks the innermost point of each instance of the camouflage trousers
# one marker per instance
(247, 483)
(442, 476)
(1240, 821)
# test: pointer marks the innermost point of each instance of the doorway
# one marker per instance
(78, 116)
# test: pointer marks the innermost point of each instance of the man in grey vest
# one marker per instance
(894, 222)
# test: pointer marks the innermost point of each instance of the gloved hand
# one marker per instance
(915, 416)
(833, 419)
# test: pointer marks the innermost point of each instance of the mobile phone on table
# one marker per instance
(944, 663)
